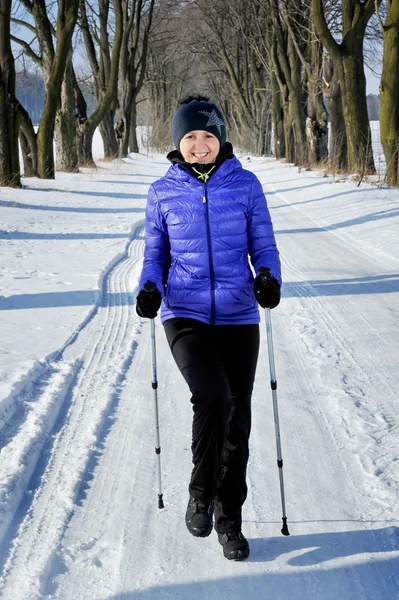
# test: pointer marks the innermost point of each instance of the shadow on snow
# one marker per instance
(11, 204)
(369, 579)
(26, 235)
(379, 284)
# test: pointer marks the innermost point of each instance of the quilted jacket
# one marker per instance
(199, 239)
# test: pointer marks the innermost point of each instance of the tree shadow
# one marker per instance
(311, 200)
(26, 235)
(99, 194)
(293, 189)
(128, 182)
(75, 209)
(65, 299)
(376, 216)
(322, 547)
(371, 579)
(373, 284)
(379, 284)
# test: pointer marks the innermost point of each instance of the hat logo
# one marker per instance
(213, 120)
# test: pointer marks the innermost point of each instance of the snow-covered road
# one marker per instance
(78, 489)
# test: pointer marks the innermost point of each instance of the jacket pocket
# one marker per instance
(169, 282)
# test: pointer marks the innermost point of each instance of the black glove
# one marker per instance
(148, 301)
(266, 289)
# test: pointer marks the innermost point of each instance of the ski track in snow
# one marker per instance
(106, 347)
(79, 499)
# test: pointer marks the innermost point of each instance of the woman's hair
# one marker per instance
(197, 97)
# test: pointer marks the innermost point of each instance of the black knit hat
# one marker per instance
(198, 115)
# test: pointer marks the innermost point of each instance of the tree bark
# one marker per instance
(106, 127)
(9, 122)
(349, 62)
(316, 120)
(133, 65)
(27, 137)
(278, 100)
(389, 93)
(338, 150)
(295, 124)
(278, 120)
(66, 147)
(107, 96)
(133, 143)
(66, 20)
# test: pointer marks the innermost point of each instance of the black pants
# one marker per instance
(218, 363)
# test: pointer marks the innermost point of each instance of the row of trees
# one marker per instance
(271, 65)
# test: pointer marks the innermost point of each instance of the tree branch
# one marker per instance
(377, 12)
(31, 28)
(28, 50)
(295, 41)
(323, 31)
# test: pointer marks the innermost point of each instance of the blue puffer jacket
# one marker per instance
(198, 238)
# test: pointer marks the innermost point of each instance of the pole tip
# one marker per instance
(160, 501)
(284, 530)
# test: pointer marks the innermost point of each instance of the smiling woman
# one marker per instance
(203, 220)
(199, 146)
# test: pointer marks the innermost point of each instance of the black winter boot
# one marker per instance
(199, 517)
(235, 546)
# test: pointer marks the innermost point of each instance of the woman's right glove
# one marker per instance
(266, 289)
(148, 301)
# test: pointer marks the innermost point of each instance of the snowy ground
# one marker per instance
(78, 491)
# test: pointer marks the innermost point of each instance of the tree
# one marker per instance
(168, 74)
(288, 65)
(53, 62)
(9, 122)
(222, 38)
(105, 71)
(136, 30)
(299, 24)
(338, 151)
(349, 64)
(389, 90)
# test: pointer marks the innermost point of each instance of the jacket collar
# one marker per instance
(183, 171)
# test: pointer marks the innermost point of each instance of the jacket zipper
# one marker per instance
(210, 257)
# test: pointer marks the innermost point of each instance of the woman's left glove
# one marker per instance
(266, 289)
(148, 301)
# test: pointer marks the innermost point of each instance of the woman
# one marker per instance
(203, 219)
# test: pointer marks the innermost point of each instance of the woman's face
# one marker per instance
(199, 147)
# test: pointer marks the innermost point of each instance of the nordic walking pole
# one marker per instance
(273, 384)
(150, 287)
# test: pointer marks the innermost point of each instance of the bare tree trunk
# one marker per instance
(133, 143)
(389, 103)
(109, 70)
(66, 20)
(65, 128)
(27, 137)
(278, 120)
(107, 132)
(134, 54)
(9, 125)
(278, 101)
(316, 121)
(338, 151)
(295, 125)
(85, 143)
(358, 134)
(348, 60)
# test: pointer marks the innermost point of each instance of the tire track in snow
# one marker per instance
(107, 346)
(358, 377)
(353, 381)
